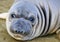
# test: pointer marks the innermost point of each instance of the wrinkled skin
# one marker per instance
(28, 19)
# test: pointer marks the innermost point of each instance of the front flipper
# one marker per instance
(3, 15)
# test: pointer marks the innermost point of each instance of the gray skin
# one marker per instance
(23, 22)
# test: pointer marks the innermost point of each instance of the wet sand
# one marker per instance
(5, 37)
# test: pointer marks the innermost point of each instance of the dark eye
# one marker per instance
(13, 15)
(31, 19)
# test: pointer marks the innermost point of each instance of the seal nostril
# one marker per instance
(21, 32)
(16, 31)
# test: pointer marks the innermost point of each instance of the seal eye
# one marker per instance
(13, 15)
(31, 19)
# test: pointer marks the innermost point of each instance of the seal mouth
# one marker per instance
(22, 37)
(18, 36)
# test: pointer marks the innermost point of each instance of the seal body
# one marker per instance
(45, 18)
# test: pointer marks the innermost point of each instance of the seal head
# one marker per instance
(22, 20)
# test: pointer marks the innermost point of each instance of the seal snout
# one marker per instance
(21, 26)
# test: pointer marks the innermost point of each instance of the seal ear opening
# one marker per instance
(3, 15)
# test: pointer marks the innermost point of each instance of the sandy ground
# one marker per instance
(5, 37)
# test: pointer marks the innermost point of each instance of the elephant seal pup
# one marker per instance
(28, 19)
